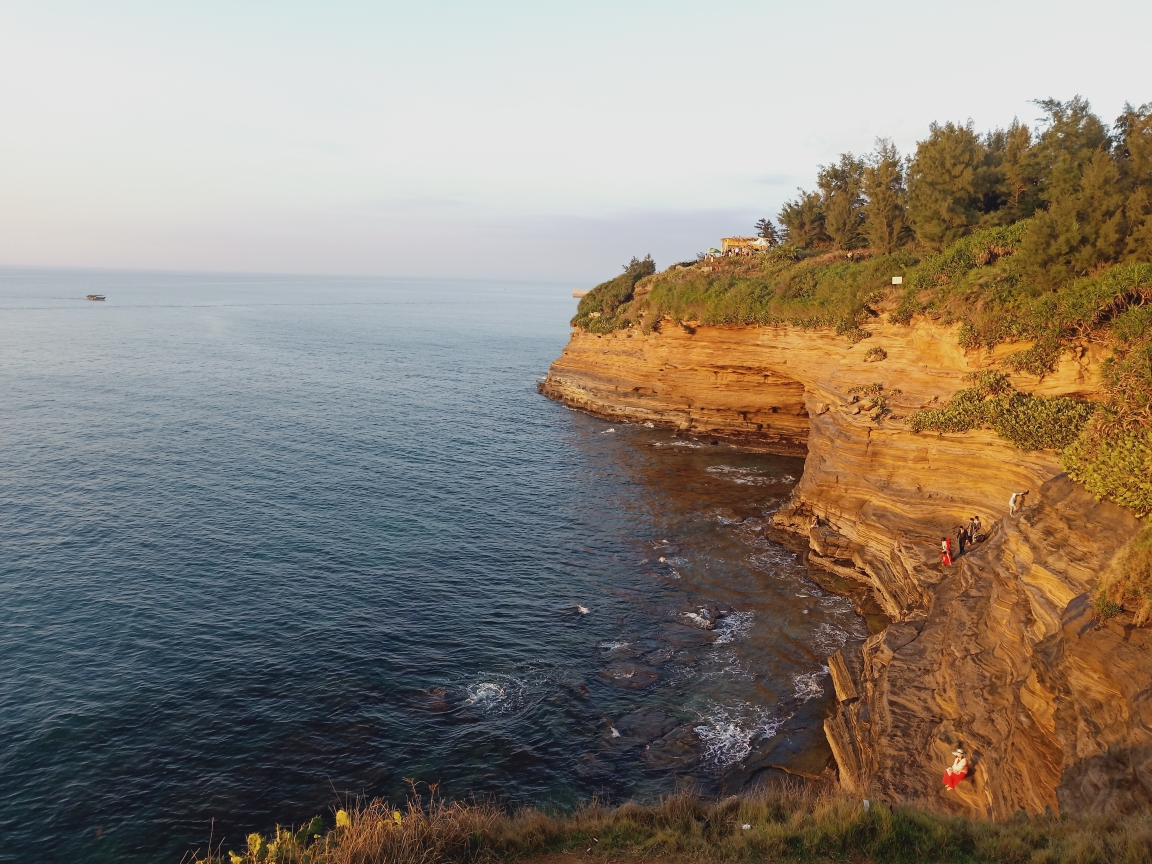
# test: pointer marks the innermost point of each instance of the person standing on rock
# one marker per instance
(957, 771)
(946, 552)
(961, 539)
(974, 528)
(1016, 502)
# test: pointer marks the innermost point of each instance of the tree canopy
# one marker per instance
(1084, 186)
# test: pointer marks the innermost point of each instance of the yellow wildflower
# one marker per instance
(343, 820)
(397, 818)
(234, 858)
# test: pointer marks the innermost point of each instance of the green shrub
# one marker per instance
(1104, 607)
(599, 309)
(1039, 360)
(1029, 422)
(978, 249)
(1117, 467)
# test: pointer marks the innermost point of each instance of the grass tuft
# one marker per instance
(785, 823)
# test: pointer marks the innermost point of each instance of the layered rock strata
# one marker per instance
(1000, 652)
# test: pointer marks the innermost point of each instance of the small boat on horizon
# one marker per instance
(95, 296)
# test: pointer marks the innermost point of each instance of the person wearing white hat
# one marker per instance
(958, 770)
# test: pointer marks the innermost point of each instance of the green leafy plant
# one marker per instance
(1029, 422)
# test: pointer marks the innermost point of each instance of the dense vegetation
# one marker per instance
(1127, 584)
(1037, 236)
(778, 824)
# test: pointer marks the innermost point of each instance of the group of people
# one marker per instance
(973, 531)
(965, 534)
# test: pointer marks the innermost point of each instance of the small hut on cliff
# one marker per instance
(742, 245)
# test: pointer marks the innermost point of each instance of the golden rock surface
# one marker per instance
(999, 653)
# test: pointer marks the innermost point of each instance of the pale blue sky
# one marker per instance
(495, 139)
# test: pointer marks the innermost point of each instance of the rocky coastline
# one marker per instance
(1000, 652)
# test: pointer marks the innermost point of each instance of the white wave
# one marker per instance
(606, 431)
(499, 694)
(749, 476)
(614, 646)
(808, 684)
(486, 693)
(688, 445)
(729, 733)
(772, 559)
(837, 604)
(827, 639)
(725, 519)
(733, 626)
(723, 665)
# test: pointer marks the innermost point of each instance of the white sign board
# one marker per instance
(897, 280)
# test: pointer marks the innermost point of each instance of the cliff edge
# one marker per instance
(1000, 652)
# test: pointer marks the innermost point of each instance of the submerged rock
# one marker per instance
(630, 676)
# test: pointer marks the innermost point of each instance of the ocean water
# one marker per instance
(268, 542)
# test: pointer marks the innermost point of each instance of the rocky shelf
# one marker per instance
(1000, 652)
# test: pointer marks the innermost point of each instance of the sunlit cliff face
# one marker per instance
(993, 651)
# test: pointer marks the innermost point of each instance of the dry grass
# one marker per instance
(783, 824)
(1127, 584)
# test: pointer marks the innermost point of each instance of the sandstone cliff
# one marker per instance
(1000, 652)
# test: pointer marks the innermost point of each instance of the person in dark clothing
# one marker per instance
(961, 539)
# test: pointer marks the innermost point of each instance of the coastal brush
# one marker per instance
(791, 821)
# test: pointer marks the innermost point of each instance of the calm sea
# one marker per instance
(268, 541)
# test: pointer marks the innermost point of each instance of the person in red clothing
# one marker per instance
(946, 552)
(958, 770)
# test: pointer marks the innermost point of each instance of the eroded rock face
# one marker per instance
(999, 652)
(1008, 662)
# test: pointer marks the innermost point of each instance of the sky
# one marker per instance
(536, 141)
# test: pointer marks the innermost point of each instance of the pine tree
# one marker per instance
(1132, 133)
(1082, 229)
(841, 188)
(1014, 193)
(1071, 134)
(947, 182)
(1090, 199)
(886, 207)
(803, 220)
(768, 231)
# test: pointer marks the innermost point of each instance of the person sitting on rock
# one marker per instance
(958, 770)
(946, 552)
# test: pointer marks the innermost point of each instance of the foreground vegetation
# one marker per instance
(775, 824)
